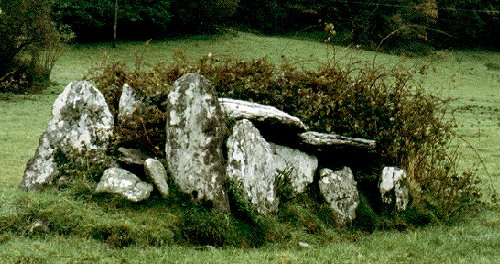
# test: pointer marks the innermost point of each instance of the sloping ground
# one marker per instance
(472, 78)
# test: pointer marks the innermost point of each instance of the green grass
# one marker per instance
(470, 78)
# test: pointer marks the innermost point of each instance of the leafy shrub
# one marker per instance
(30, 44)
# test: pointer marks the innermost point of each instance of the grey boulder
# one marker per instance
(124, 183)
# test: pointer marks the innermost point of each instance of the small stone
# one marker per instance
(304, 245)
(392, 183)
(339, 190)
(128, 103)
(238, 109)
(39, 227)
(158, 175)
(124, 183)
(132, 156)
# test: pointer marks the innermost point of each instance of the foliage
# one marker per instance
(479, 23)
(194, 16)
(30, 44)
(79, 171)
(93, 20)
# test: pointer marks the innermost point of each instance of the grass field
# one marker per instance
(471, 78)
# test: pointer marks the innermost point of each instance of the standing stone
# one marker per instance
(195, 132)
(80, 121)
(124, 183)
(128, 102)
(251, 166)
(303, 166)
(392, 187)
(339, 190)
(157, 173)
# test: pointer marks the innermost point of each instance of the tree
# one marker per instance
(29, 44)
(202, 15)
(93, 20)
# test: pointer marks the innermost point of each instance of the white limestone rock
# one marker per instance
(302, 166)
(251, 166)
(339, 190)
(80, 121)
(238, 109)
(128, 103)
(158, 175)
(195, 132)
(124, 183)
(393, 188)
(324, 140)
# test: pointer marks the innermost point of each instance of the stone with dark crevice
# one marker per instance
(132, 156)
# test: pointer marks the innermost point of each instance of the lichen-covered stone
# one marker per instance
(41, 168)
(132, 156)
(339, 190)
(124, 183)
(158, 175)
(301, 166)
(251, 166)
(393, 189)
(195, 132)
(325, 141)
(128, 103)
(238, 109)
(80, 121)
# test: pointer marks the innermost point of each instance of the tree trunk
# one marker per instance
(115, 23)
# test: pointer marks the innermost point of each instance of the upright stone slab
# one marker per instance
(128, 102)
(196, 129)
(339, 190)
(80, 121)
(302, 166)
(392, 187)
(157, 174)
(251, 166)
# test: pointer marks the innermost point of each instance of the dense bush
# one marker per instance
(30, 43)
